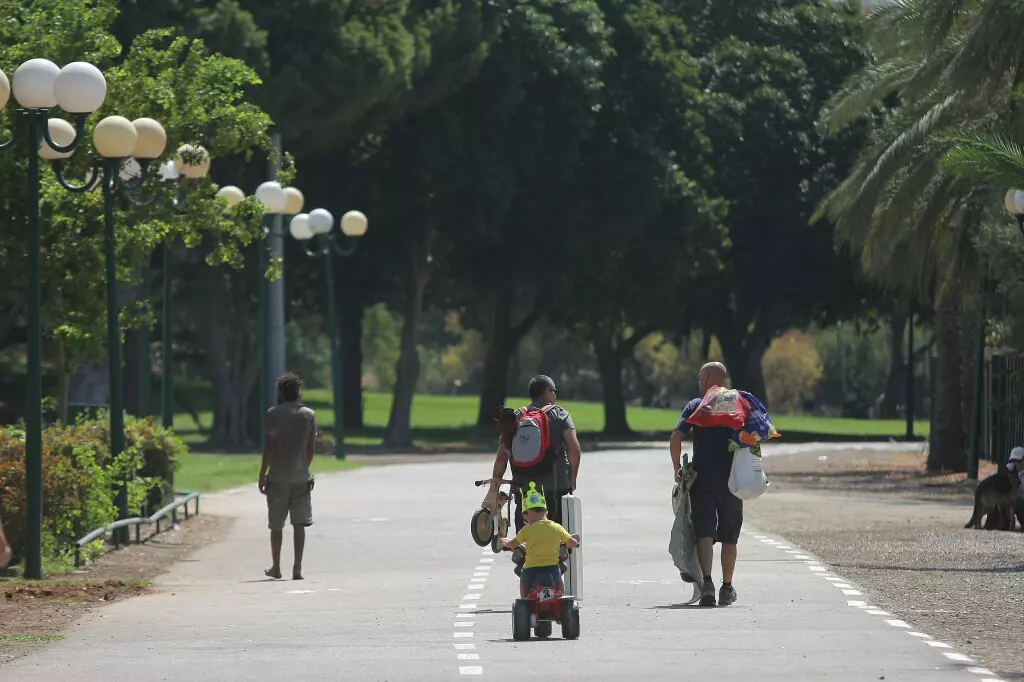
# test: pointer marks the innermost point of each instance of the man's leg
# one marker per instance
(517, 500)
(729, 553)
(277, 512)
(703, 516)
(730, 521)
(301, 510)
(706, 555)
(276, 537)
(300, 544)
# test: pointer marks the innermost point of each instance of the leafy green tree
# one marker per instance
(197, 97)
(946, 67)
(476, 169)
(643, 229)
(769, 67)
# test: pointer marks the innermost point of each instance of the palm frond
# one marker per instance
(864, 90)
(919, 26)
(993, 157)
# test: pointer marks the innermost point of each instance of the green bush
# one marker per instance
(80, 478)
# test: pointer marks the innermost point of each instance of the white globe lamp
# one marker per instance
(5, 89)
(62, 133)
(192, 161)
(299, 227)
(80, 88)
(354, 224)
(151, 139)
(114, 137)
(320, 221)
(293, 201)
(33, 84)
(272, 196)
(232, 195)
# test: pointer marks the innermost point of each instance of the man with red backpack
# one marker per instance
(542, 447)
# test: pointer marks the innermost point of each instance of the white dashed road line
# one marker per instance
(464, 622)
(849, 590)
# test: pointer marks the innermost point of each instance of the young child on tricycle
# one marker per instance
(543, 539)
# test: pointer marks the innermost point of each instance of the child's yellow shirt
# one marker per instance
(542, 540)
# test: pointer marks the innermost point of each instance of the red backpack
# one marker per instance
(532, 439)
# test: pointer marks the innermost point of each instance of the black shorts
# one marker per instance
(716, 513)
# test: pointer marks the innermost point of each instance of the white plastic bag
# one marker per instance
(747, 480)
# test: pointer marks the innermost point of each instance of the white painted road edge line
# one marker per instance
(848, 589)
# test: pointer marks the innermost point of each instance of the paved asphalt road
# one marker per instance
(396, 590)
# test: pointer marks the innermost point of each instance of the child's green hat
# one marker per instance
(533, 499)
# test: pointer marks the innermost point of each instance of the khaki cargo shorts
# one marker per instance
(289, 499)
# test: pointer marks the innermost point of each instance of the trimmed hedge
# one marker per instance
(80, 479)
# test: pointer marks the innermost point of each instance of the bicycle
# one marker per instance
(490, 522)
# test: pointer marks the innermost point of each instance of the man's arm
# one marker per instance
(311, 444)
(682, 430)
(500, 461)
(675, 450)
(265, 464)
(572, 448)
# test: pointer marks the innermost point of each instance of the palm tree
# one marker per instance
(950, 65)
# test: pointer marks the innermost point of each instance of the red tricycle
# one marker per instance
(544, 606)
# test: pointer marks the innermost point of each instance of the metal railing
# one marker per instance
(1003, 405)
(139, 521)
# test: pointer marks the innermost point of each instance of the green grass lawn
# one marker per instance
(450, 419)
(201, 472)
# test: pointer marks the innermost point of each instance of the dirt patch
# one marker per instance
(35, 612)
(881, 521)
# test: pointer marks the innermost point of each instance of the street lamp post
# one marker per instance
(39, 86)
(117, 141)
(276, 200)
(191, 164)
(319, 223)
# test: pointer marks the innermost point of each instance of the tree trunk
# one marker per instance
(947, 441)
(895, 388)
(399, 429)
(647, 387)
(705, 345)
(609, 364)
(494, 380)
(970, 326)
(232, 356)
(351, 338)
(743, 360)
(504, 342)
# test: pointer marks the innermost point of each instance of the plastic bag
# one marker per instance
(758, 427)
(746, 479)
(721, 407)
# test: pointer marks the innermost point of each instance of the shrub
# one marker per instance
(80, 479)
(792, 368)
